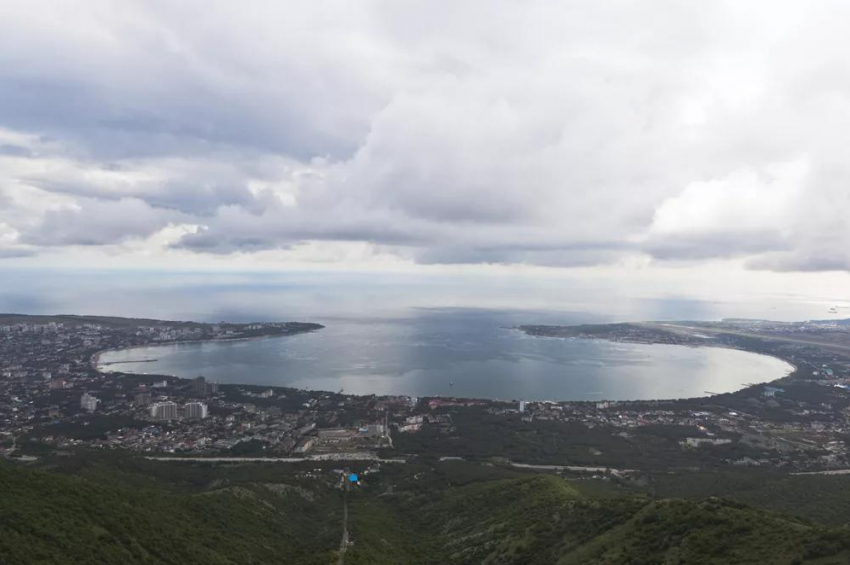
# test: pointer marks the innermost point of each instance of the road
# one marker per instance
(14, 446)
(340, 457)
(832, 472)
(343, 544)
(320, 457)
(232, 459)
(575, 468)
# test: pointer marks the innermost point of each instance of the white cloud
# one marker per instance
(549, 134)
(744, 212)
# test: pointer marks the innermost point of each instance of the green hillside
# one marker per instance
(51, 518)
(543, 519)
(820, 498)
(103, 509)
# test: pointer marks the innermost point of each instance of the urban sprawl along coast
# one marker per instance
(53, 398)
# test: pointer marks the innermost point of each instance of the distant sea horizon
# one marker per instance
(414, 334)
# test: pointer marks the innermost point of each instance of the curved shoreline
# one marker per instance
(794, 367)
(790, 370)
(94, 360)
(791, 373)
(695, 346)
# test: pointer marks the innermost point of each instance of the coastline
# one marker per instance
(787, 370)
(94, 360)
(793, 366)
(791, 373)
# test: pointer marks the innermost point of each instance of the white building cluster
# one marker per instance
(89, 402)
(164, 410)
(195, 410)
(171, 410)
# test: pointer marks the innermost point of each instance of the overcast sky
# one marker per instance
(693, 138)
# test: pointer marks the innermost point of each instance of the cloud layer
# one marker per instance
(438, 132)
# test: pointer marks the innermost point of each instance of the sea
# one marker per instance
(417, 335)
(475, 354)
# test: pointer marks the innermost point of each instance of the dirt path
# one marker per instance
(343, 544)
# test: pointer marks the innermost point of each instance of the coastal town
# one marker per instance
(54, 397)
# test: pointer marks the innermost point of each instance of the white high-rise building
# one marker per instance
(195, 410)
(88, 402)
(164, 411)
(522, 405)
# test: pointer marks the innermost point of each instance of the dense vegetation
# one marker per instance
(478, 434)
(50, 518)
(111, 508)
(819, 498)
(545, 519)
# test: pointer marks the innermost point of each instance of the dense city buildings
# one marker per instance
(53, 395)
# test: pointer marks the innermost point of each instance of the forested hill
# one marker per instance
(461, 513)
(543, 520)
(49, 518)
